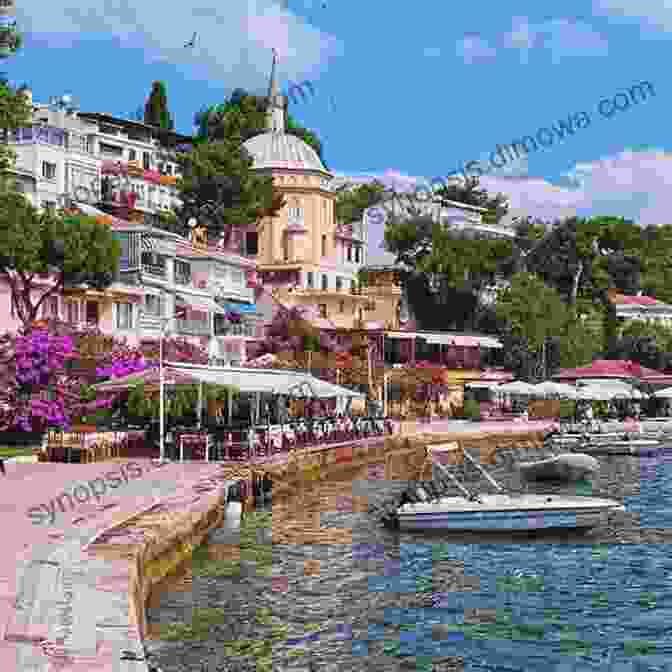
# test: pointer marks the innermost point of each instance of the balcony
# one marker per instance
(183, 279)
(155, 270)
(150, 322)
(242, 329)
(192, 327)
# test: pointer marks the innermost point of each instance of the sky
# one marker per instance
(402, 91)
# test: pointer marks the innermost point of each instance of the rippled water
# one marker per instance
(401, 601)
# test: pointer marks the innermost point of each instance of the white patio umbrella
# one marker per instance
(601, 393)
(517, 387)
(664, 394)
(551, 388)
(591, 393)
(615, 389)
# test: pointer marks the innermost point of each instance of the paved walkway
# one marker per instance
(61, 607)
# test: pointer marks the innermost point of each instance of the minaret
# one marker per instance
(275, 112)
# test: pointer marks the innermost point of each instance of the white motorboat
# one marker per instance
(502, 512)
(506, 513)
(563, 467)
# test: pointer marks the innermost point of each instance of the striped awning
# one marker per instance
(200, 303)
(240, 307)
(148, 243)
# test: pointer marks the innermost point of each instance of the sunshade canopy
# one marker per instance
(293, 383)
(664, 394)
(517, 387)
(551, 388)
(615, 389)
(607, 390)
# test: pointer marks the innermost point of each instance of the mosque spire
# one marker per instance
(275, 112)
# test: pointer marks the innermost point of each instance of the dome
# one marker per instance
(281, 150)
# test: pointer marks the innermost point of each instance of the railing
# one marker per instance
(182, 279)
(156, 270)
(193, 327)
(244, 445)
(236, 330)
(148, 321)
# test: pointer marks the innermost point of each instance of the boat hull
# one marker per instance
(642, 447)
(506, 514)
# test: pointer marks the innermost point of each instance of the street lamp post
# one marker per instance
(162, 425)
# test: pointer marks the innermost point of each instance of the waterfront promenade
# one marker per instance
(72, 579)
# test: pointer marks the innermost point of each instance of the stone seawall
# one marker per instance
(172, 547)
(392, 458)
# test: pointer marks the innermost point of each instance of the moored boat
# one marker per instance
(563, 467)
(499, 513)
(502, 513)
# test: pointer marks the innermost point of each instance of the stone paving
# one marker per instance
(61, 607)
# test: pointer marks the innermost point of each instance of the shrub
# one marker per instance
(567, 409)
(472, 410)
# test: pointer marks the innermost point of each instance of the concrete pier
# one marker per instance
(83, 544)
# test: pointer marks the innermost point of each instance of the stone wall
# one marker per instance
(166, 550)
(395, 458)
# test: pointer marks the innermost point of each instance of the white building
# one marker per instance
(93, 161)
(454, 215)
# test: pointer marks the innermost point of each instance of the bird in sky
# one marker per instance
(191, 42)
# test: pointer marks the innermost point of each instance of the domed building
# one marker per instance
(304, 256)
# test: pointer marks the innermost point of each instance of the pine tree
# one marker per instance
(156, 108)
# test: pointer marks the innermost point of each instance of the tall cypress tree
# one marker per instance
(156, 108)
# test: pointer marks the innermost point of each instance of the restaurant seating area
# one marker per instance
(240, 445)
(89, 445)
(220, 444)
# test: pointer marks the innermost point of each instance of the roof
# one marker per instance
(271, 381)
(446, 338)
(284, 151)
(609, 368)
(625, 300)
(138, 124)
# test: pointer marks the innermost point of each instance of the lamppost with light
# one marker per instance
(165, 321)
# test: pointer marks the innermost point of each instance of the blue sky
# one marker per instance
(403, 91)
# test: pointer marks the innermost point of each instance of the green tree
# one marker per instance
(243, 116)
(220, 189)
(656, 278)
(447, 268)
(534, 313)
(156, 108)
(15, 113)
(78, 250)
(582, 336)
(352, 200)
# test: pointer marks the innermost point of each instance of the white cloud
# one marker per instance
(523, 36)
(233, 44)
(655, 13)
(563, 37)
(474, 49)
(559, 37)
(632, 184)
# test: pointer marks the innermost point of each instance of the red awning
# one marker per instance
(609, 368)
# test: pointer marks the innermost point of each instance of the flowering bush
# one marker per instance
(123, 364)
(35, 390)
(31, 392)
